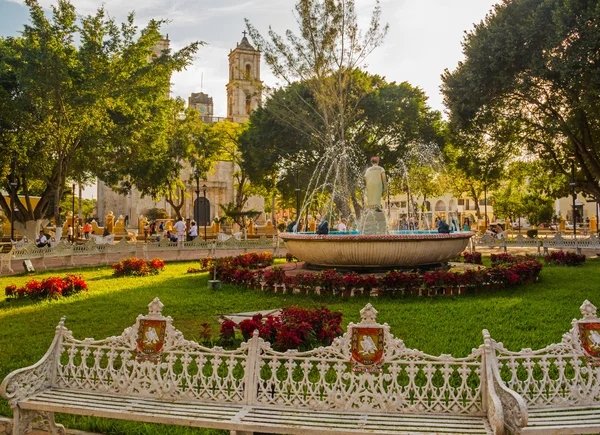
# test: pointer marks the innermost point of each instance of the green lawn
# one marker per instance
(526, 316)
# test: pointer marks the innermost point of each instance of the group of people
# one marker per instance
(181, 231)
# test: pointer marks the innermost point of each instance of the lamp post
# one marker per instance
(73, 215)
(197, 204)
(205, 217)
(297, 198)
(573, 184)
(13, 195)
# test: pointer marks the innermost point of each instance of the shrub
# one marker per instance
(137, 267)
(294, 328)
(251, 260)
(472, 257)
(563, 258)
(290, 258)
(49, 288)
(532, 233)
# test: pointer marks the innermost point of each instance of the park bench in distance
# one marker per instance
(367, 381)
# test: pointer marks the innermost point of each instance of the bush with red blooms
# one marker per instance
(562, 258)
(472, 257)
(49, 288)
(227, 333)
(251, 260)
(294, 328)
(137, 267)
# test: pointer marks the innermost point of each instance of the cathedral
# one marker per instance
(244, 94)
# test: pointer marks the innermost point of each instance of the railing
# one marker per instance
(68, 250)
(557, 241)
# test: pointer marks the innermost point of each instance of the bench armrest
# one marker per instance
(28, 381)
(504, 404)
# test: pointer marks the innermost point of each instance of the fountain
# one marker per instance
(373, 246)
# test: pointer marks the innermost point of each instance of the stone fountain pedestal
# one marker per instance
(374, 223)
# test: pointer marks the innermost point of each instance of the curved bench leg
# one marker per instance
(25, 420)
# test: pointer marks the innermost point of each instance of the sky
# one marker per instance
(424, 37)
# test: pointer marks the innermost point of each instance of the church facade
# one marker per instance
(243, 96)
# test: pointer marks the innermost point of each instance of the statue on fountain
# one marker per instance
(376, 184)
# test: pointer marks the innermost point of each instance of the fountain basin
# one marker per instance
(376, 251)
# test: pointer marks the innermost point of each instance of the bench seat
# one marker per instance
(570, 420)
(255, 418)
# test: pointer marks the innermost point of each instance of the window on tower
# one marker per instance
(248, 102)
(248, 68)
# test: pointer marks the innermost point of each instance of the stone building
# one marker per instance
(203, 104)
(244, 90)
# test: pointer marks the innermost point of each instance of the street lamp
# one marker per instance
(205, 217)
(13, 195)
(73, 215)
(197, 205)
(573, 184)
(297, 199)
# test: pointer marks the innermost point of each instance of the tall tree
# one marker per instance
(323, 56)
(76, 98)
(532, 67)
(392, 121)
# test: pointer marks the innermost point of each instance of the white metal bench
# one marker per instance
(554, 390)
(151, 373)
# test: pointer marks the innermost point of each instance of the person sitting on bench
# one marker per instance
(41, 240)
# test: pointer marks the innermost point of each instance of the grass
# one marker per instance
(526, 316)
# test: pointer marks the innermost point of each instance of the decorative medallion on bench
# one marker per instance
(151, 334)
(367, 342)
(589, 333)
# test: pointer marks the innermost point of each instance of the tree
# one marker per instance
(531, 67)
(392, 121)
(475, 164)
(323, 57)
(190, 145)
(78, 98)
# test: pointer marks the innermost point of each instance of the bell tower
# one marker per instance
(244, 89)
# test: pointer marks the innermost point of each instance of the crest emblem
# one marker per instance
(367, 349)
(589, 336)
(151, 339)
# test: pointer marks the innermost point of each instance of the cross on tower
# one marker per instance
(244, 32)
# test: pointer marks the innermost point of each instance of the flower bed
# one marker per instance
(137, 267)
(251, 260)
(563, 258)
(472, 257)
(507, 270)
(52, 287)
(294, 328)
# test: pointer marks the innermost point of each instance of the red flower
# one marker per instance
(227, 330)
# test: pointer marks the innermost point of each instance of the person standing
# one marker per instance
(193, 233)
(342, 225)
(179, 227)
(87, 229)
(70, 234)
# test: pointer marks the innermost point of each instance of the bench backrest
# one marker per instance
(404, 380)
(559, 374)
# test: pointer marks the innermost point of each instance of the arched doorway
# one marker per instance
(202, 211)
